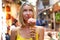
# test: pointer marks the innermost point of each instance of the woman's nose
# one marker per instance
(28, 12)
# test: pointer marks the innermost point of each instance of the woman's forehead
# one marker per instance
(27, 7)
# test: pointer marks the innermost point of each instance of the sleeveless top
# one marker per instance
(19, 37)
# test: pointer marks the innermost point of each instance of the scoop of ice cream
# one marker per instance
(31, 21)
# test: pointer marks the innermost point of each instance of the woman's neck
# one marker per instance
(27, 26)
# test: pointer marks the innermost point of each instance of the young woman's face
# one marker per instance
(27, 12)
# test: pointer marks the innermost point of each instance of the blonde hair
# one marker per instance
(21, 20)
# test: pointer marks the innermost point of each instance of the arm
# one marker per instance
(13, 34)
(41, 33)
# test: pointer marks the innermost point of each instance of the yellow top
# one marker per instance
(21, 38)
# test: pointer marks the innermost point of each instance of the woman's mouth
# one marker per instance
(28, 16)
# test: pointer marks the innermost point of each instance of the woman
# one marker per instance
(28, 30)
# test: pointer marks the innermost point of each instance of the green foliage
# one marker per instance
(57, 17)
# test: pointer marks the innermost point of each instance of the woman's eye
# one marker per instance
(28, 10)
(31, 10)
(24, 10)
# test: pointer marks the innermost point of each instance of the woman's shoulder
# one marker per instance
(39, 27)
(15, 29)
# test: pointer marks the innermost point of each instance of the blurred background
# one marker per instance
(47, 14)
